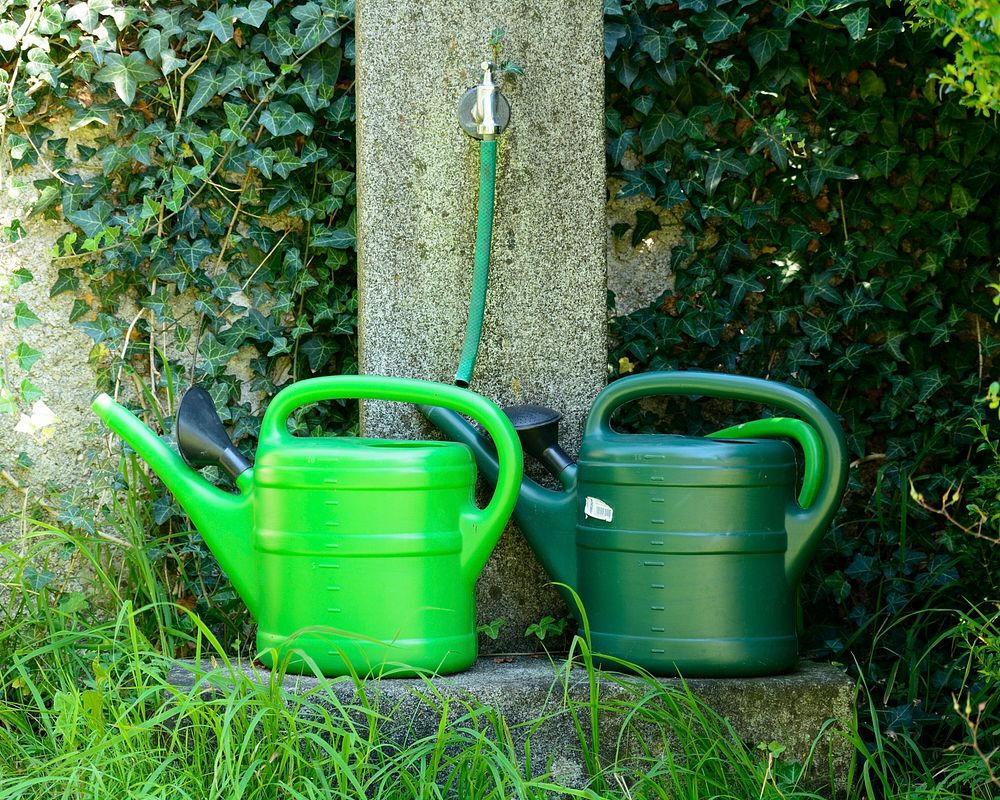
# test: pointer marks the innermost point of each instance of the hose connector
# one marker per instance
(483, 111)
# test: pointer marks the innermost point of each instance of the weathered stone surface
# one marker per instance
(814, 704)
(62, 373)
(544, 338)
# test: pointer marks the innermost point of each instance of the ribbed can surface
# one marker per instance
(681, 547)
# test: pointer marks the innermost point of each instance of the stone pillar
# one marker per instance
(544, 339)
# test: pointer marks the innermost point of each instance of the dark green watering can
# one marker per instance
(353, 555)
(686, 552)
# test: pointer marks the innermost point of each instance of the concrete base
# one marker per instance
(806, 710)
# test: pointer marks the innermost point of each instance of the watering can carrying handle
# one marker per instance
(805, 526)
(487, 522)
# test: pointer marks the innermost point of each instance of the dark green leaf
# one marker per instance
(281, 119)
(213, 356)
(67, 280)
(318, 351)
(717, 25)
(207, 85)
(657, 44)
(856, 22)
(765, 43)
(645, 223)
(339, 238)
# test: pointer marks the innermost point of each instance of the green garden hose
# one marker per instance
(481, 270)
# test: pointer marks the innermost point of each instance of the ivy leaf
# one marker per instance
(318, 351)
(820, 331)
(765, 43)
(286, 162)
(20, 277)
(337, 238)
(194, 252)
(254, 13)
(645, 223)
(67, 280)
(856, 23)
(24, 317)
(852, 358)
(127, 74)
(341, 182)
(207, 85)
(657, 44)
(856, 302)
(86, 14)
(51, 20)
(27, 356)
(221, 27)
(656, 129)
(672, 195)
(614, 32)
(717, 25)
(281, 119)
(315, 26)
(721, 162)
(929, 382)
(214, 355)
(637, 182)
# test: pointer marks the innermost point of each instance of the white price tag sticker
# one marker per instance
(598, 509)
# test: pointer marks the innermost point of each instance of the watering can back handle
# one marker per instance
(488, 520)
(801, 433)
(805, 526)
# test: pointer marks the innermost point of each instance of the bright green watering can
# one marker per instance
(686, 552)
(353, 555)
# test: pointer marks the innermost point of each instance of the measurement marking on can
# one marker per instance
(657, 542)
(657, 608)
(333, 588)
(652, 563)
(657, 650)
(657, 586)
(657, 478)
(331, 480)
(329, 566)
(657, 500)
(331, 502)
(334, 610)
(656, 630)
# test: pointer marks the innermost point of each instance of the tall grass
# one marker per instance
(88, 710)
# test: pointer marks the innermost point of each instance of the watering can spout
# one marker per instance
(547, 518)
(224, 520)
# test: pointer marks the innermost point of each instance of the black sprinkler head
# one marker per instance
(202, 438)
(538, 429)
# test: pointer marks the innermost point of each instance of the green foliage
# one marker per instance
(546, 626)
(88, 707)
(840, 221)
(971, 29)
(215, 216)
(213, 219)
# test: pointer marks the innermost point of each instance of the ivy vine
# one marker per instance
(212, 223)
(840, 218)
(839, 210)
